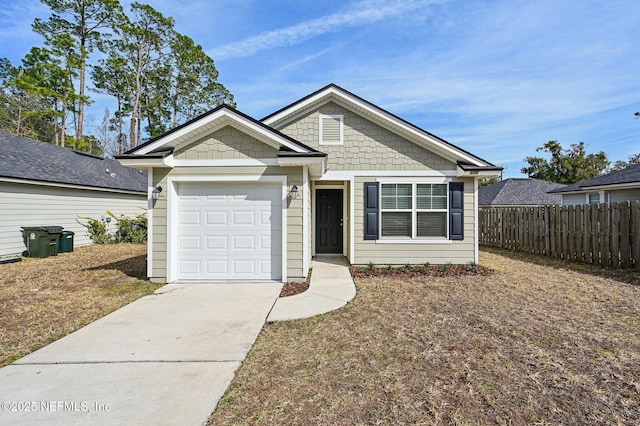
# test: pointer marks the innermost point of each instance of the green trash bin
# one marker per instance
(66, 241)
(41, 241)
(55, 232)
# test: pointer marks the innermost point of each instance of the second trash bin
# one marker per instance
(66, 241)
(41, 241)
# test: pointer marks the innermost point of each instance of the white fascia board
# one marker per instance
(630, 185)
(331, 91)
(69, 186)
(182, 132)
(144, 163)
(304, 161)
(476, 173)
(300, 106)
(242, 162)
(233, 117)
(349, 174)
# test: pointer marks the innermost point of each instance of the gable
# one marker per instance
(227, 143)
(468, 164)
(366, 145)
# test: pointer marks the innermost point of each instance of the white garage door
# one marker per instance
(229, 231)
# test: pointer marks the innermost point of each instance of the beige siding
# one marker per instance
(227, 143)
(34, 205)
(572, 199)
(367, 146)
(624, 195)
(456, 252)
(294, 213)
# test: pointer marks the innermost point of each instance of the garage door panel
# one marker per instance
(189, 242)
(233, 231)
(217, 267)
(217, 217)
(190, 218)
(244, 242)
(244, 217)
(217, 243)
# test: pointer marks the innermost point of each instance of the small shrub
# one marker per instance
(98, 232)
(131, 229)
(424, 267)
(387, 270)
(406, 268)
(370, 268)
(446, 267)
(472, 267)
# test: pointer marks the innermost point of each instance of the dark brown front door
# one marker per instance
(329, 221)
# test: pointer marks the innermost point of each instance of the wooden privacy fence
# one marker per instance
(606, 234)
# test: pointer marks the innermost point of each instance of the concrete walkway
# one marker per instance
(164, 359)
(330, 288)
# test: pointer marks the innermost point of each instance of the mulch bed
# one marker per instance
(291, 289)
(417, 271)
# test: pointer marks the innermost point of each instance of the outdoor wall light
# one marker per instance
(155, 194)
(294, 192)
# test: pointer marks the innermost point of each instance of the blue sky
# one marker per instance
(495, 77)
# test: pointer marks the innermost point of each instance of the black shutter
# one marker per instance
(371, 210)
(456, 211)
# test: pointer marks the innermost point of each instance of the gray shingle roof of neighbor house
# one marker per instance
(625, 176)
(27, 159)
(519, 192)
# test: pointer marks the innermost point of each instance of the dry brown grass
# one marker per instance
(42, 300)
(538, 342)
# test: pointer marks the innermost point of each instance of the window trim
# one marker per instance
(340, 118)
(414, 238)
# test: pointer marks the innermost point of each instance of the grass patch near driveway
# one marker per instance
(42, 300)
(533, 343)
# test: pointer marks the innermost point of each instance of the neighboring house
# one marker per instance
(331, 173)
(514, 192)
(617, 186)
(46, 185)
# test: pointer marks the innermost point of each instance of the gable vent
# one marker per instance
(331, 129)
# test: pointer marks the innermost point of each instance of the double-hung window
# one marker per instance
(414, 210)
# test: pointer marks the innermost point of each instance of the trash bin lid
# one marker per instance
(53, 229)
(68, 233)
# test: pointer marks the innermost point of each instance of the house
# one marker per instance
(240, 198)
(514, 192)
(47, 185)
(610, 188)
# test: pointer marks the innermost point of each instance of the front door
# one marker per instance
(329, 221)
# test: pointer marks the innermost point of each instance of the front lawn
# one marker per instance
(42, 300)
(538, 342)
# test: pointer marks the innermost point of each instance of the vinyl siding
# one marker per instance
(293, 211)
(36, 205)
(624, 195)
(367, 146)
(457, 252)
(225, 144)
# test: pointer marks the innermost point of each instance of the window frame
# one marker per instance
(414, 210)
(340, 118)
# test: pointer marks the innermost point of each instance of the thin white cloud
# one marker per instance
(363, 13)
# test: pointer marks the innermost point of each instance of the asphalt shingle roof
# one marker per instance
(629, 175)
(24, 158)
(519, 192)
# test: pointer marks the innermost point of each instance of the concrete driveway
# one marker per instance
(164, 359)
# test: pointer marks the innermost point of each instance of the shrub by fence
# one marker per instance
(606, 234)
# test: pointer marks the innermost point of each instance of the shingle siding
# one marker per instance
(367, 146)
(227, 143)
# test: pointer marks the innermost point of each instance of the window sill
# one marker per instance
(416, 241)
